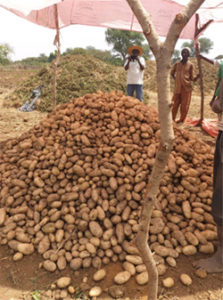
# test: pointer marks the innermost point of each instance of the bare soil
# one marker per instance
(19, 280)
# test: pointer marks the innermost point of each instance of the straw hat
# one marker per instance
(135, 48)
(188, 49)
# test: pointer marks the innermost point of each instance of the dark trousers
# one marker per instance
(138, 88)
(217, 198)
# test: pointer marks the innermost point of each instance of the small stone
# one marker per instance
(48, 294)
(95, 291)
(116, 291)
(84, 286)
(53, 286)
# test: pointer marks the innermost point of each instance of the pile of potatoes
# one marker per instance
(72, 188)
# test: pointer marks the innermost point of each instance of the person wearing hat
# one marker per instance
(135, 65)
(182, 73)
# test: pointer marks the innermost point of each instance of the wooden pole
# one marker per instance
(201, 82)
(57, 60)
(198, 31)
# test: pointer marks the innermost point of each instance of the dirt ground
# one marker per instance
(19, 280)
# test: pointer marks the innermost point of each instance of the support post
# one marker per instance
(198, 31)
(57, 60)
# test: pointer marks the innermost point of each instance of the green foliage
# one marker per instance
(103, 55)
(75, 51)
(5, 51)
(52, 56)
(147, 54)
(205, 46)
(219, 56)
(176, 56)
(34, 61)
(121, 40)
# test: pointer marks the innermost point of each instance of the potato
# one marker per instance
(63, 282)
(189, 250)
(49, 266)
(191, 238)
(44, 245)
(99, 275)
(74, 185)
(25, 248)
(2, 216)
(122, 277)
(168, 282)
(207, 248)
(210, 235)
(142, 278)
(185, 279)
(186, 209)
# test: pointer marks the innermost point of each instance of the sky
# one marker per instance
(30, 40)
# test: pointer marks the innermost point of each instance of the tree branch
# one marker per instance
(163, 53)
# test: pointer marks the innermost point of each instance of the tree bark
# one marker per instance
(162, 52)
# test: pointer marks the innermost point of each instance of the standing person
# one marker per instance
(219, 65)
(214, 264)
(135, 65)
(182, 73)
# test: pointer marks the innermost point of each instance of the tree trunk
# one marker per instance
(162, 53)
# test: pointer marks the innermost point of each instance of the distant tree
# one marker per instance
(34, 61)
(147, 54)
(122, 40)
(205, 46)
(52, 56)
(104, 55)
(42, 58)
(5, 51)
(219, 56)
(176, 56)
(75, 51)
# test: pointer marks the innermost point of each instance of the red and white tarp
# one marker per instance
(103, 13)
(110, 13)
(208, 125)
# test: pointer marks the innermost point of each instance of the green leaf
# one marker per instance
(35, 296)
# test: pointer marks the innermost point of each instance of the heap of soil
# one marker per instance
(77, 75)
(81, 74)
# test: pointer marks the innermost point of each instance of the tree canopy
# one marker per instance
(5, 51)
(205, 46)
(121, 40)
